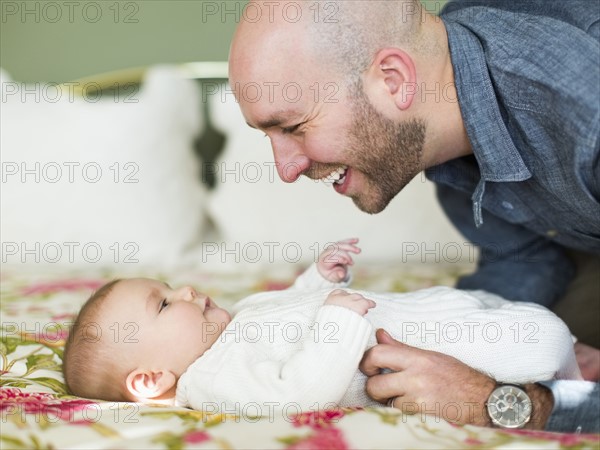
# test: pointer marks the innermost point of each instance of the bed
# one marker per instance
(134, 184)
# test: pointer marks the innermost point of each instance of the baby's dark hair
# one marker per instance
(89, 368)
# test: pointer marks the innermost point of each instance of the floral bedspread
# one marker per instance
(37, 412)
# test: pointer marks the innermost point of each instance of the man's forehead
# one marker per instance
(272, 64)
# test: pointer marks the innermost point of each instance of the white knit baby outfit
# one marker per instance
(287, 348)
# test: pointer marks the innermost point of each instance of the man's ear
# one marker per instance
(146, 384)
(393, 70)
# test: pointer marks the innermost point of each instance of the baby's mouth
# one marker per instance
(204, 300)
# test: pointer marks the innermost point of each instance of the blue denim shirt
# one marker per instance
(576, 406)
(527, 75)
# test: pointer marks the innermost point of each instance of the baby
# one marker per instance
(141, 340)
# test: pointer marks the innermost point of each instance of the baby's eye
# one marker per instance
(163, 305)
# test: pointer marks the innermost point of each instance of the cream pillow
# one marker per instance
(92, 181)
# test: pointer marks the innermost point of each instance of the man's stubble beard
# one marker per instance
(388, 154)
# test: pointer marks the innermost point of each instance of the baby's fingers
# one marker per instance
(348, 241)
(342, 257)
(340, 274)
(338, 292)
(339, 256)
(364, 305)
(369, 303)
(348, 245)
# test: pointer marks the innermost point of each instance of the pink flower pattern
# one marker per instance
(318, 419)
(52, 287)
(323, 439)
(196, 437)
(13, 400)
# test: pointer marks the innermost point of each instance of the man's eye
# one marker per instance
(290, 130)
(163, 305)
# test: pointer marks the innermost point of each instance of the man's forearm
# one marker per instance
(543, 402)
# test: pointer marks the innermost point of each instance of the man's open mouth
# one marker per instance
(338, 176)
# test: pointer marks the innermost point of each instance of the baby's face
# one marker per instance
(161, 327)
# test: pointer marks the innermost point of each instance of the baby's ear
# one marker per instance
(147, 385)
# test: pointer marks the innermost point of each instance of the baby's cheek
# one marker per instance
(221, 317)
(226, 316)
(188, 321)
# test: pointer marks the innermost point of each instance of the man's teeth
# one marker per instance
(337, 176)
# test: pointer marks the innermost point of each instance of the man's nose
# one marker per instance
(290, 160)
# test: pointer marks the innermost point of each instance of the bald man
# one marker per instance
(497, 101)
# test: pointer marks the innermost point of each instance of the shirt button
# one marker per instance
(507, 205)
(551, 233)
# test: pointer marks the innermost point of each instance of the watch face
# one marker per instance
(509, 407)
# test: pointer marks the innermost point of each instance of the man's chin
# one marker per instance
(369, 206)
(374, 199)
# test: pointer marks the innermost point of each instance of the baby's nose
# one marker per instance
(189, 294)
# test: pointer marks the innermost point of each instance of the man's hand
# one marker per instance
(355, 302)
(588, 359)
(426, 382)
(429, 382)
(334, 260)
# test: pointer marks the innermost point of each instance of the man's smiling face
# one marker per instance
(319, 124)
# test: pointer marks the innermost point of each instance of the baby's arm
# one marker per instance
(314, 376)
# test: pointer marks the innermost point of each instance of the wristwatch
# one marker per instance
(509, 406)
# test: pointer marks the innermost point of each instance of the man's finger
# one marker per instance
(407, 406)
(382, 387)
(383, 337)
(382, 356)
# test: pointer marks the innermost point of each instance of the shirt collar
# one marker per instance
(497, 157)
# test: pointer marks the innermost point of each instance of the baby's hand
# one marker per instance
(355, 302)
(334, 260)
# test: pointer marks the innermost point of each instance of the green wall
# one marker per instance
(68, 39)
